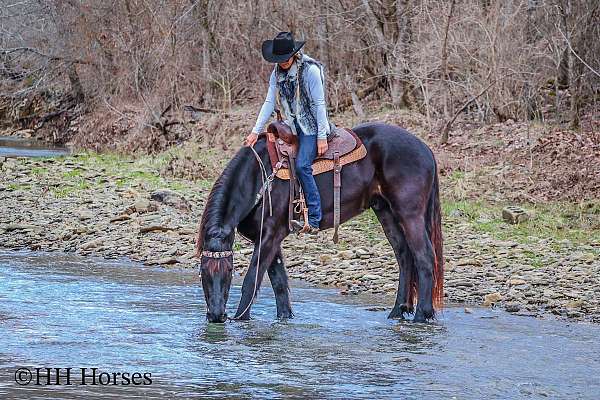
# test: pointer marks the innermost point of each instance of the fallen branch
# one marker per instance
(48, 56)
(360, 94)
(190, 108)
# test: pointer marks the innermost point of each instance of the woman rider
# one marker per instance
(296, 86)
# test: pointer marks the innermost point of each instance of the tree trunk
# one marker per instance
(76, 87)
(529, 94)
(445, 74)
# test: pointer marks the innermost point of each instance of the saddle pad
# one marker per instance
(325, 165)
(343, 141)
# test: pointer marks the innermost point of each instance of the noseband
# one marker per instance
(217, 254)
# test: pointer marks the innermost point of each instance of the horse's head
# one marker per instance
(216, 270)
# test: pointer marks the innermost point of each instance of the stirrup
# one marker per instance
(309, 230)
(297, 226)
(302, 227)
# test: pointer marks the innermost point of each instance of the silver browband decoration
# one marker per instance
(217, 254)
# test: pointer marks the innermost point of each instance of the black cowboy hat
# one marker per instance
(281, 48)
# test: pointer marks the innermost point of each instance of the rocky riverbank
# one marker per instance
(113, 207)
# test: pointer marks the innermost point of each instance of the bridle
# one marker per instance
(266, 187)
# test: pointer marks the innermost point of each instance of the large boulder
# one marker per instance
(514, 215)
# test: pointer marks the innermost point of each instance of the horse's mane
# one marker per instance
(216, 202)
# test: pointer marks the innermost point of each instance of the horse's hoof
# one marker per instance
(422, 316)
(396, 314)
(419, 319)
(284, 316)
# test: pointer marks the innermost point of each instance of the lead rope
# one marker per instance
(267, 179)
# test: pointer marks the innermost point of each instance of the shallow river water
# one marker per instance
(11, 146)
(61, 311)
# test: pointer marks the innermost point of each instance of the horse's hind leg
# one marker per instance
(395, 236)
(419, 244)
(279, 281)
(409, 209)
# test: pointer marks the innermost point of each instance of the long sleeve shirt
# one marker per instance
(314, 85)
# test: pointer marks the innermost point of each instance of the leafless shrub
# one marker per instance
(488, 61)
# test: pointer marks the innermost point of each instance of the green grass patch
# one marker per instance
(63, 191)
(74, 173)
(205, 184)
(38, 171)
(556, 221)
(535, 259)
(18, 186)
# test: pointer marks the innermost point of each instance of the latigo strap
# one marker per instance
(337, 183)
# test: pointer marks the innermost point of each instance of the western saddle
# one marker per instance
(344, 147)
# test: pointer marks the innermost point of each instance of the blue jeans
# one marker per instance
(307, 152)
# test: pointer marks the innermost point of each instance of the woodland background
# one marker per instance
(486, 83)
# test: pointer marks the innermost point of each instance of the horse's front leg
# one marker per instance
(269, 249)
(279, 281)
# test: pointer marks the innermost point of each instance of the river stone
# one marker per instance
(92, 243)
(168, 261)
(512, 307)
(363, 252)
(141, 205)
(325, 259)
(587, 257)
(574, 304)
(460, 283)
(119, 218)
(491, 299)
(469, 261)
(155, 228)
(171, 198)
(516, 281)
(19, 227)
(346, 254)
(84, 215)
(514, 215)
(370, 277)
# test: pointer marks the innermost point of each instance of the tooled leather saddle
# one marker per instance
(344, 147)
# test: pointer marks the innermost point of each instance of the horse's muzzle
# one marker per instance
(216, 318)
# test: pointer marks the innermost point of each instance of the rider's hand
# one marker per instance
(322, 146)
(271, 137)
(251, 139)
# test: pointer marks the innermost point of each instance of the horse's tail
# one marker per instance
(434, 229)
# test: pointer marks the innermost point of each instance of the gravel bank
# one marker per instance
(125, 209)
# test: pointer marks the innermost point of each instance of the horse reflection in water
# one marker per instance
(397, 179)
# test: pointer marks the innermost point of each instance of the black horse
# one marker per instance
(397, 179)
